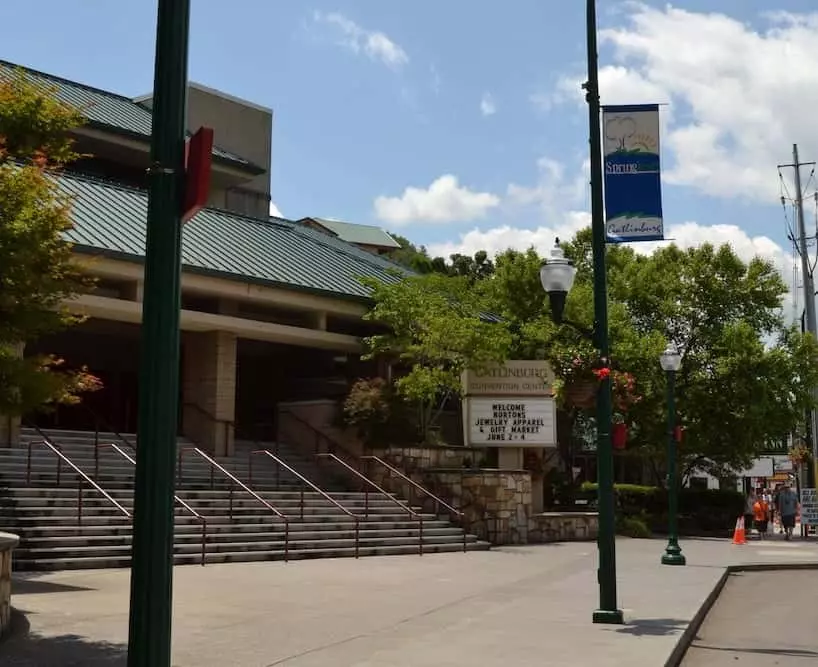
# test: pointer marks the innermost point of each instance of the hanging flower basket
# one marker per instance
(619, 435)
(581, 394)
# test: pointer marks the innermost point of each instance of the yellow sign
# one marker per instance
(513, 378)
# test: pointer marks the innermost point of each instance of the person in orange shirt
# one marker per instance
(761, 515)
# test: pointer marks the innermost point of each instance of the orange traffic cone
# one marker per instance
(738, 535)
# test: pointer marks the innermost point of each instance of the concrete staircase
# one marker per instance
(239, 525)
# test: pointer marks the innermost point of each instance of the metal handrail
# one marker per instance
(202, 520)
(318, 433)
(62, 458)
(315, 488)
(229, 424)
(438, 501)
(386, 494)
(216, 466)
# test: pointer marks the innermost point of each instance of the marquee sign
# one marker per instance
(510, 422)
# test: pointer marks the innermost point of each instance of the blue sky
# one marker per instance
(474, 105)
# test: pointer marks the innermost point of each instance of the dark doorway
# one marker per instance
(110, 351)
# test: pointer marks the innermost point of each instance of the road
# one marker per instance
(761, 619)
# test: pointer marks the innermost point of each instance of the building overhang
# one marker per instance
(120, 310)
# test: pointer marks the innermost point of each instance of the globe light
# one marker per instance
(670, 359)
(557, 277)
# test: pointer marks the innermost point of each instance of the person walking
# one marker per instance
(749, 503)
(761, 515)
(787, 509)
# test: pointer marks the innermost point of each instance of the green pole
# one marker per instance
(673, 552)
(149, 640)
(607, 612)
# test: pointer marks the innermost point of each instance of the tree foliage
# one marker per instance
(746, 376)
(417, 259)
(37, 273)
(433, 331)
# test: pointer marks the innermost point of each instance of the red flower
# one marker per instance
(602, 373)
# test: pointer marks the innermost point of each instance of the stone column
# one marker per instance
(209, 389)
(510, 458)
(9, 430)
(10, 424)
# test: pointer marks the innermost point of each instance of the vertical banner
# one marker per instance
(633, 187)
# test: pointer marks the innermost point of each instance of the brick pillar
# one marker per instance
(209, 389)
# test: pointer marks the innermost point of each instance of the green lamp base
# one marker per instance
(609, 616)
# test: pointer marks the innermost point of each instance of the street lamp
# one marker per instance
(555, 278)
(671, 361)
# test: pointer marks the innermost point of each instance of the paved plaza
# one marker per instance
(518, 605)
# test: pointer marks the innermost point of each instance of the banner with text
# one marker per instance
(633, 186)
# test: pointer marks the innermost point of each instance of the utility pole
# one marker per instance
(149, 638)
(809, 295)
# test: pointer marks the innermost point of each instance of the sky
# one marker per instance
(461, 124)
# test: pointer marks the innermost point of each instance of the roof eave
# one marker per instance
(246, 166)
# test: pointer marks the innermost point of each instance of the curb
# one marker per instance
(687, 637)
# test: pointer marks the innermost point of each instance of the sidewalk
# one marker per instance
(779, 630)
(521, 606)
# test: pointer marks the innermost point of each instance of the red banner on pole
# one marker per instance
(198, 160)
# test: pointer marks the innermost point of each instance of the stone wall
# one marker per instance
(563, 527)
(496, 503)
(7, 544)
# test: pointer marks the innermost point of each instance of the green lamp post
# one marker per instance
(671, 361)
(555, 279)
(149, 637)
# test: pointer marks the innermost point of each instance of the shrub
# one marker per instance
(367, 407)
(701, 511)
(632, 526)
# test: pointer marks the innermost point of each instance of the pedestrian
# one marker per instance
(748, 511)
(768, 498)
(788, 508)
(776, 494)
(760, 514)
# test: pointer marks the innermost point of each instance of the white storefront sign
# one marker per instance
(511, 422)
(809, 507)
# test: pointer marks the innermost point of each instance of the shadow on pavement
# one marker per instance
(655, 627)
(26, 585)
(23, 648)
(784, 652)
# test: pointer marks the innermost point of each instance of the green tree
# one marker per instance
(745, 377)
(417, 259)
(37, 273)
(434, 329)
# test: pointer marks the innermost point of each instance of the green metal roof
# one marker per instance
(111, 218)
(363, 234)
(108, 110)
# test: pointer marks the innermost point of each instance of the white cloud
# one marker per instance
(488, 107)
(553, 192)
(274, 210)
(740, 97)
(499, 239)
(373, 43)
(443, 201)
(436, 79)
